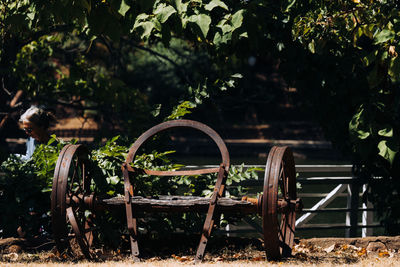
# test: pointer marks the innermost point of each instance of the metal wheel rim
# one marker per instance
(61, 215)
(84, 235)
(279, 228)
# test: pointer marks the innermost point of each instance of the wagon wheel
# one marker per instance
(278, 203)
(71, 200)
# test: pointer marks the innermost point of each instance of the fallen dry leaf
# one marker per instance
(219, 259)
(330, 249)
(236, 255)
(11, 256)
(384, 253)
(392, 51)
(362, 252)
(153, 259)
(181, 259)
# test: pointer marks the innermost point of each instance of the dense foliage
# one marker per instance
(26, 187)
(341, 56)
(351, 51)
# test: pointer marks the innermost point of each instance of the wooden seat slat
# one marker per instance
(174, 201)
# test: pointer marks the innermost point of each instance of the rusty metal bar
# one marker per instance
(209, 222)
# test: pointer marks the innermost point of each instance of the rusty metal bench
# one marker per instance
(71, 196)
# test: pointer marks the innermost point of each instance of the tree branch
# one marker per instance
(53, 29)
(177, 67)
(4, 86)
(70, 104)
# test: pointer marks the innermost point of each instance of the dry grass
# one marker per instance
(233, 252)
(172, 262)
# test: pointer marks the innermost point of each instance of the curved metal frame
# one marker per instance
(61, 198)
(219, 189)
(278, 225)
(174, 124)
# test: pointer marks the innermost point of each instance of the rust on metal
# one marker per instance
(279, 226)
(210, 218)
(181, 173)
(131, 220)
(180, 123)
(71, 170)
(83, 237)
(218, 191)
(277, 204)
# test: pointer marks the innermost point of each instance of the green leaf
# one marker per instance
(370, 58)
(113, 180)
(237, 19)
(203, 21)
(387, 132)
(237, 75)
(147, 27)
(356, 124)
(363, 135)
(290, 4)
(115, 138)
(163, 12)
(311, 46)
(141, 18)
(215, 3)
(388, 150)
(222, 38)
(217, 39)
(384, 36)
(124, 7)
(226, 29)
(181, 110)
(181, 7)
(156, 110)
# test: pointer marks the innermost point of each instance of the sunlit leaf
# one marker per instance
(147, 27)
(215, 3)
(387, 132)
(388, 149)
(124, 7)
(237, 75)
(237, 19)
(384, 36)
(181, 7)
(163, 12)
(370, 58)
(203, 21)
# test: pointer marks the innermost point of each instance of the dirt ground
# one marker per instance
(371, 251)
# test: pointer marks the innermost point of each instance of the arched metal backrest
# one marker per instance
(174, 124)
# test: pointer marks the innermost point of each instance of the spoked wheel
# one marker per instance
(71, 201)
(278, 203)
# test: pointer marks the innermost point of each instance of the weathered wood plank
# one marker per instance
(182, 203)
(176, 201)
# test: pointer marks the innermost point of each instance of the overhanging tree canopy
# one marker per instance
(341, 56)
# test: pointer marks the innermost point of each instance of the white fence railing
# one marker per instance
(346, 186)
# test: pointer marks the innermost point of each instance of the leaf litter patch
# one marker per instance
(219, 249)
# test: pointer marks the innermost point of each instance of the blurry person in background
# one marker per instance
(36, 123)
